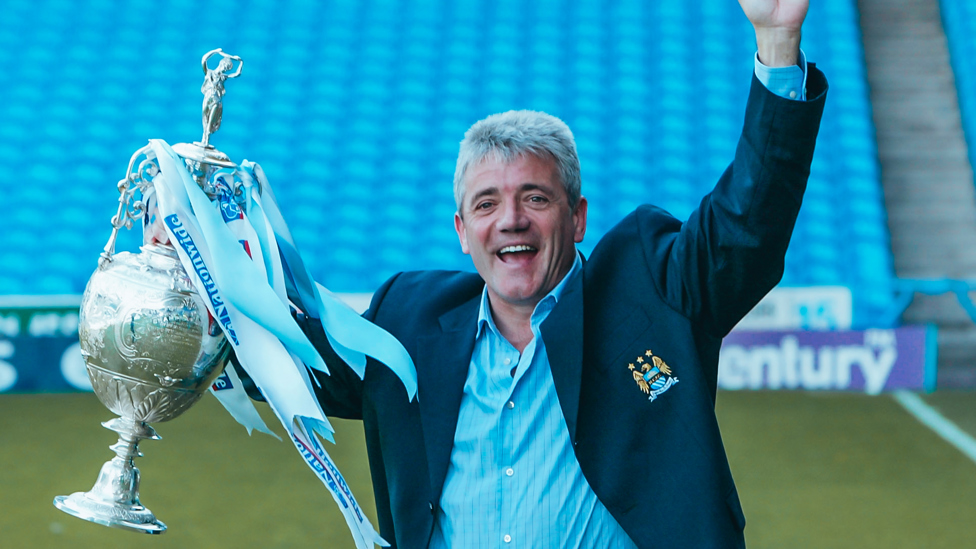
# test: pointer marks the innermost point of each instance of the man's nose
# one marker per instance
(513, 217)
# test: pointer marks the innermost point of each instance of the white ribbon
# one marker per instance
(350, 335)
(234, 259)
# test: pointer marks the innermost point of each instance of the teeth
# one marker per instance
(521, 248)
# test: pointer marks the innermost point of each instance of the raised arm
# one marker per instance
(716, 266)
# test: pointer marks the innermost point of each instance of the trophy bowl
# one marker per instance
(151, 349)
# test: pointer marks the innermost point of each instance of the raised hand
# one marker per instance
(777, 24)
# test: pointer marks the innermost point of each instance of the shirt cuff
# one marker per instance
(787, 82)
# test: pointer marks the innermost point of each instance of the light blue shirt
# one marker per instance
(513, 479)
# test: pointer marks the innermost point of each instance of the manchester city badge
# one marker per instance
(652, 374)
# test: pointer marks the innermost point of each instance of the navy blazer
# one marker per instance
(652, 283)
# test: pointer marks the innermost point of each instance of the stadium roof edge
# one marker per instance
(31, 301)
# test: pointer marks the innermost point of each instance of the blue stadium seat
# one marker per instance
(355, 110)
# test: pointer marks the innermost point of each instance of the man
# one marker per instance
(569, 402)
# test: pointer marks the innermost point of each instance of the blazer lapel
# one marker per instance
(440, 380)
(562, 333)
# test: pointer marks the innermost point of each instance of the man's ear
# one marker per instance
(579, 220)
(462, 236)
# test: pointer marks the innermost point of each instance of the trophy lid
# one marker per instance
(197, 151)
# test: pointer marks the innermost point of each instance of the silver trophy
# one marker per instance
(149, 343)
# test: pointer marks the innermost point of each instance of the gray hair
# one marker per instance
(510, 135)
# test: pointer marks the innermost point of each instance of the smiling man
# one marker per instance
(569, 402)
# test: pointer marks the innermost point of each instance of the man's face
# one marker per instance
(516, 224)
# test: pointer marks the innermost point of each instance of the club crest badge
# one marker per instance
(652, 374)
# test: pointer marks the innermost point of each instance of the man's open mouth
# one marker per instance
(518, 252)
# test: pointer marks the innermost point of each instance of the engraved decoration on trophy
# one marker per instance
(150, 345)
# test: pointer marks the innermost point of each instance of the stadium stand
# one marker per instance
(355, 110)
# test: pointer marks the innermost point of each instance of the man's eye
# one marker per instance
(483, 206)
(538, 199)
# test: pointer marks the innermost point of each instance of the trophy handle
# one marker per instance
(140, 180)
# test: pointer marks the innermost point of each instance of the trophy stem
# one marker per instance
(114, 499)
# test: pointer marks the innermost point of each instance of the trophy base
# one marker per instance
(114, 499)
(135, 518)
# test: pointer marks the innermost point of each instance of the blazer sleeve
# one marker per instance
(731, 250)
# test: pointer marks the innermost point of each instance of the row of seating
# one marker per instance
(355, 110)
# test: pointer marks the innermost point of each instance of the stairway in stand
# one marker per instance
(925, 169)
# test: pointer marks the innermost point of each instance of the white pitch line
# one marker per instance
(937, 422)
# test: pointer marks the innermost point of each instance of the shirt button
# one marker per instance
(511, 404)
(508, 361)
(509, 471)
(793, 94)
(507, 538)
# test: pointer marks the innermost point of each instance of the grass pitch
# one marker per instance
(813, 470)
(846, 470)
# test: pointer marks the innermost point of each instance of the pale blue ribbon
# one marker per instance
(351, 336)
(250, 294)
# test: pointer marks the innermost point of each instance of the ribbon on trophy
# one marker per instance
(247, 268)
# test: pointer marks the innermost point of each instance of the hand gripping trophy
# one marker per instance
(218, 270)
